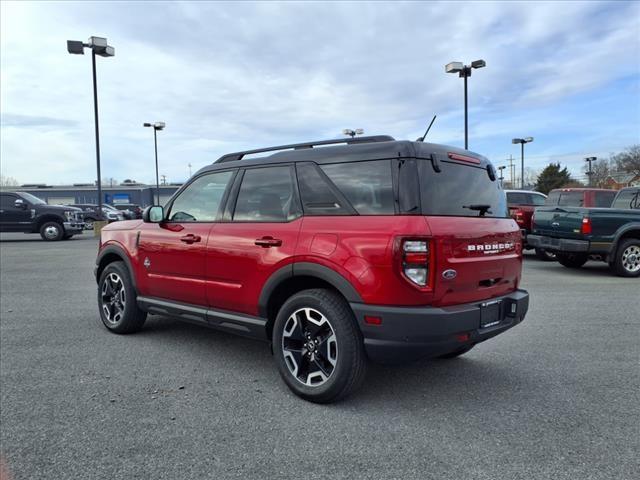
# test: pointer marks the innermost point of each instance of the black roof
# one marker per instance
(338, 150)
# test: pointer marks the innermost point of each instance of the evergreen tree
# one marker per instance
(553, 176)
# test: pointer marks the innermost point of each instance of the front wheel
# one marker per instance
(318, 347)
(119, 311)
(572, 260)
(51, 231)
(627, 261)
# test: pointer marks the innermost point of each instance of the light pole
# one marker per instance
(464, 71)
(156, 126)
(98, 46)
(501, 174)
(522, 141)
(590, 172)
(352, 133)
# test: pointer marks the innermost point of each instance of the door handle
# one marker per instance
(191, 238)
(267, 242)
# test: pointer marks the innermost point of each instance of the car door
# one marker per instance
(12, 218)
(172, 253)
(259, 236)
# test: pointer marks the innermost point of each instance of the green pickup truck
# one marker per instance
(576, 234)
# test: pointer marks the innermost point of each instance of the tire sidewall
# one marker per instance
(346, 335)
(130, 297)
(59, 236)
(620, 270)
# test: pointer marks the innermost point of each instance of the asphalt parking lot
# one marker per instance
(556, 397)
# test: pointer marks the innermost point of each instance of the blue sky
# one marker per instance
(230, 76)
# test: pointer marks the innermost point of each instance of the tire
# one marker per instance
(52, 231)
(117, 305)
(627, 261)
(456, 353)
(88, 223)
(572, 260)
(329, 363)
(545, 255)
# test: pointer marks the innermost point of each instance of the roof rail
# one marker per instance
(230, 157)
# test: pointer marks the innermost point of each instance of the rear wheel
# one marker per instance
(119, 311)
(572, 260)
(88, 223)
(51, 231)
(545, 255)
(627, 261)
(456, 353)
(318, 347)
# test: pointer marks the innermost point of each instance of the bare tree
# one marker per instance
(601, 170)
(8, 181)
(629, 160)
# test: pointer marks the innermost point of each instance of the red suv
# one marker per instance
(366, 248)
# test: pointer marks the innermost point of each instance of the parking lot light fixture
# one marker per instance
(501, 169)
(522, 141)
(590, 160)
(156, 126)
(464, 71)
(98, 46)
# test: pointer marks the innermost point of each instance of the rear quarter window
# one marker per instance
(627, 199)
(459, 190)
(604, 199)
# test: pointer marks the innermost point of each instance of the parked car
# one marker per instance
(23, 212)
(365, 248)
(131, 211)
(90, 211)
(575, 234)
(522, 204)
(581, 197)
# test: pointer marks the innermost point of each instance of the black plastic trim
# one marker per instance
(233, 322)
(120, 252)
(324, 273)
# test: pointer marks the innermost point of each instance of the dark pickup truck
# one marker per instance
(22, 212)
(611, 234)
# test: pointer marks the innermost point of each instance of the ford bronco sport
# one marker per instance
(365, 248)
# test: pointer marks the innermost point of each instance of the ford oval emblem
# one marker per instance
(449, 274)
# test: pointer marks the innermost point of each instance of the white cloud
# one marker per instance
(228, 76)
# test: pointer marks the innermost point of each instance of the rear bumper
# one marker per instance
(411, 333)
(558, 244)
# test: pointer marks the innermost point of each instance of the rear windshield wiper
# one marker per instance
(482, 208)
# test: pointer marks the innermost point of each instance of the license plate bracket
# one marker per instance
(490, 313)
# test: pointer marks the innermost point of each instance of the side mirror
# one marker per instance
(154, 214)
(20, 204)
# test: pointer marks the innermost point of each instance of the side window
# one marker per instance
(266, 195)
(7, 201)
(536, 199)
(553, 198)
(318, 196)
(200, 200)
(367, 185)
(627, 199)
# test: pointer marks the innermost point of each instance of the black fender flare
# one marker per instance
(626, 228)
(306, 269)
(122, 254)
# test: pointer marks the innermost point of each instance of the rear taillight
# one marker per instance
(586, 226)
(519, 217)
(415, 261)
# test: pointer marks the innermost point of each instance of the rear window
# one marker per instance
(627, 199)
(460, 190)
(537, 200)
(518, 198)
(566, 199)
(604, 199)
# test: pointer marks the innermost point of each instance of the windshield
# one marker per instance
(32, 199)
(461, 191)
